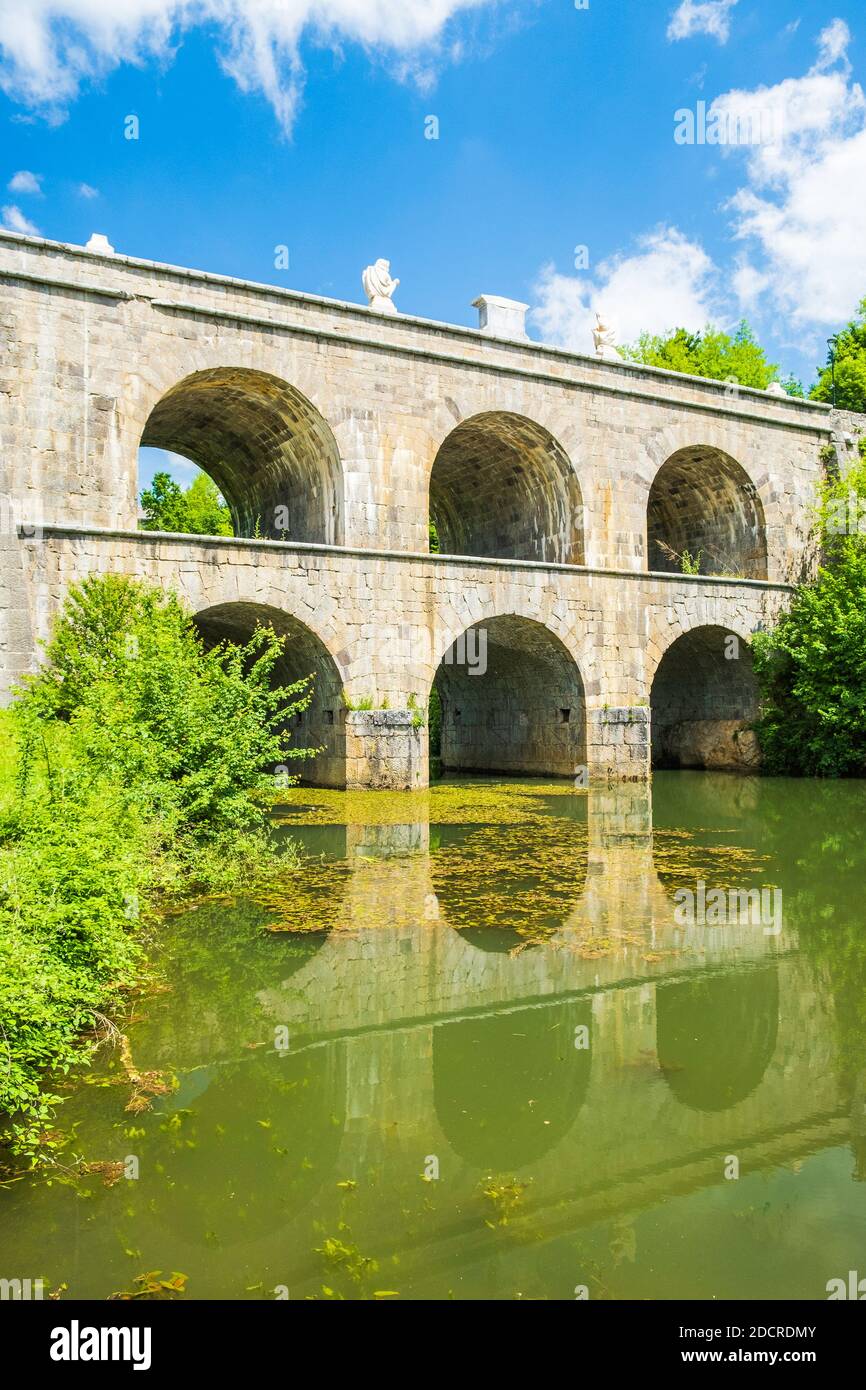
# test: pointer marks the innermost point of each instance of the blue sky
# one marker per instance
(261, 127)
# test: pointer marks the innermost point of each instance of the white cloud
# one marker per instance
(692, 17)
(668, 282)
(802, 212)
(797, 259)
(86, 190)
(15, 221)
(749, 284)
(152, 461)
(833, 45)
(25, 182)
(50, 47)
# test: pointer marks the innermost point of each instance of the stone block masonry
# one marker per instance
(566, 494)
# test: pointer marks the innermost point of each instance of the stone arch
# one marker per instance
(716, 1036)
(266, 446)
(704, 697)
(513, 700)
(322, 725)
(501, 486)
(702, 501)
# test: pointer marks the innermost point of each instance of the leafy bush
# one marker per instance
(139, 766)
(72, 871)
(188, 733)
(812, 665)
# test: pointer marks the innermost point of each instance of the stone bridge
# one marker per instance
(566, 494)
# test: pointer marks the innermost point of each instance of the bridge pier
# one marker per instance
(618, 744)
(386, 750)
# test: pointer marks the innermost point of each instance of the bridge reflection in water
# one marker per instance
(570, 1066)
(461, 1042)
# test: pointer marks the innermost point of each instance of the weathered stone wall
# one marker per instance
(703, 698)
(91, 345)
(705, 512)
(515, 705)
(386, 750)
(378, 626)
(849, 429)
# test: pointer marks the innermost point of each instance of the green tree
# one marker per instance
(850, 369)
(712, 354)
(812, 666)
(198, 510)
(207, 512)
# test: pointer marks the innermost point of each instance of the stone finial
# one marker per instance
(776, 388)
(100, 244)
(501, 318)
(379, 287)
(604, 338)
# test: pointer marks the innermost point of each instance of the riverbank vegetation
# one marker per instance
(134, 769)
(812, 665)
(843, 379)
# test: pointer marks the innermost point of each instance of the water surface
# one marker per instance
(473, 1051)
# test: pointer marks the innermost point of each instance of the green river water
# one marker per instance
(476, 1052)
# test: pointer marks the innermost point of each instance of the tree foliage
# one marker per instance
(198, 510)
(712, 354)
(188, 732)
(850, 368)
(812, 665)
(140, 763)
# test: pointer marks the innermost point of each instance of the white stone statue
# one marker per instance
(776, 388)
(604, 338)
(379, 287)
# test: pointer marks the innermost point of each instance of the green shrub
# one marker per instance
(73, 871)
(189, 734)
(812, 665)
(135, 764)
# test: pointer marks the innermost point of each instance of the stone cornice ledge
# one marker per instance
(353, 552)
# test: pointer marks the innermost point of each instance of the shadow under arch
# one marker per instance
(502, 487)
(704, 696)
(507, 1088)
(512, 701)
(270, 452)
(322, 726)
(715, 1037)
(702, 502)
